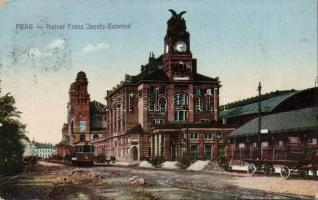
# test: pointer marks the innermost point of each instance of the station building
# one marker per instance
(168, 110)
(288, 126)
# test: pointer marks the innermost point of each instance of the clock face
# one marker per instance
(180, 46)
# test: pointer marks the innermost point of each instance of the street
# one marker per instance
(55, 181)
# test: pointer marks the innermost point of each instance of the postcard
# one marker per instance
(166, 99)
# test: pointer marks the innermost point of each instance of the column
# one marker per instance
(216, 104)
(151, 147)
(160, 140)
(156, 145)
(166, 145)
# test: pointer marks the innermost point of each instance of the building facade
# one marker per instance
(288, 127)
(29, 148)
(168, 110)
(86, 120)
(44, 150)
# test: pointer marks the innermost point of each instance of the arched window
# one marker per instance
(95, 136)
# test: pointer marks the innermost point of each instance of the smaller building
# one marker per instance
(44, 150)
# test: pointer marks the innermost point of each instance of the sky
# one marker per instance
(240, 41)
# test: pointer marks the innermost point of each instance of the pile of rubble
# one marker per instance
(145, 164)
(171, 165)
(214, 166)
(79, 176)
(135, 180)
(198, 165)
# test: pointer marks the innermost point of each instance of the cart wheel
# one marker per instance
(285, 172)
(251, 169)
(268, 170)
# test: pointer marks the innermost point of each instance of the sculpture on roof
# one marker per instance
(176, 24)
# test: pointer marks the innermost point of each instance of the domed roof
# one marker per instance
(81, 74)
(81, 77)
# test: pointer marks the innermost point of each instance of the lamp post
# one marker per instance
(259, 119)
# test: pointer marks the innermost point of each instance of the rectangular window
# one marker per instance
(180, 115)
(208, 151)
(209, 91)
(157, 121)
(197, 90)
(224, 120)
(204, 120)
(208, 136)
(194, 150)
(82, 126)
(264, 144)
(241, 146)
(294, 141)
(313, 141)
(198, 106)
(208, 103)
(194, 136)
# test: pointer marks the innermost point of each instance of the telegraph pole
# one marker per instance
(259, 119)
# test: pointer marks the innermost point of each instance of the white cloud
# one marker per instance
(56, 44)
(90, 47)
(34, 52)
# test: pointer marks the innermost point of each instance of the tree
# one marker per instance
(11, 134)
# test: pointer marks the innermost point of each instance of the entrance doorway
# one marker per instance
(134, 153)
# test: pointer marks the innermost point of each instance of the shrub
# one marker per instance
(112, 159)
(185, 161)
(100, 158)
(68, 158)
(144, 158)
(156, 161)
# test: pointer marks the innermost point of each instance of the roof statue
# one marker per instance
(176, 24)
(175, 14)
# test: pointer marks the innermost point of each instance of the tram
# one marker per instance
(83, 155)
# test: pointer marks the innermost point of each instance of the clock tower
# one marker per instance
(178, 62)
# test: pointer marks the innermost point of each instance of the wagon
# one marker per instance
(284, 142)
(285, 160)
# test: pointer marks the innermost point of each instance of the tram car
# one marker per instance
(83, 155)
(288, 147)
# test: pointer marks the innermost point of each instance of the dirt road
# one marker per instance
(49, 181)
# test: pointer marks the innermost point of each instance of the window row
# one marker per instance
(208, 150)
(207, 136)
